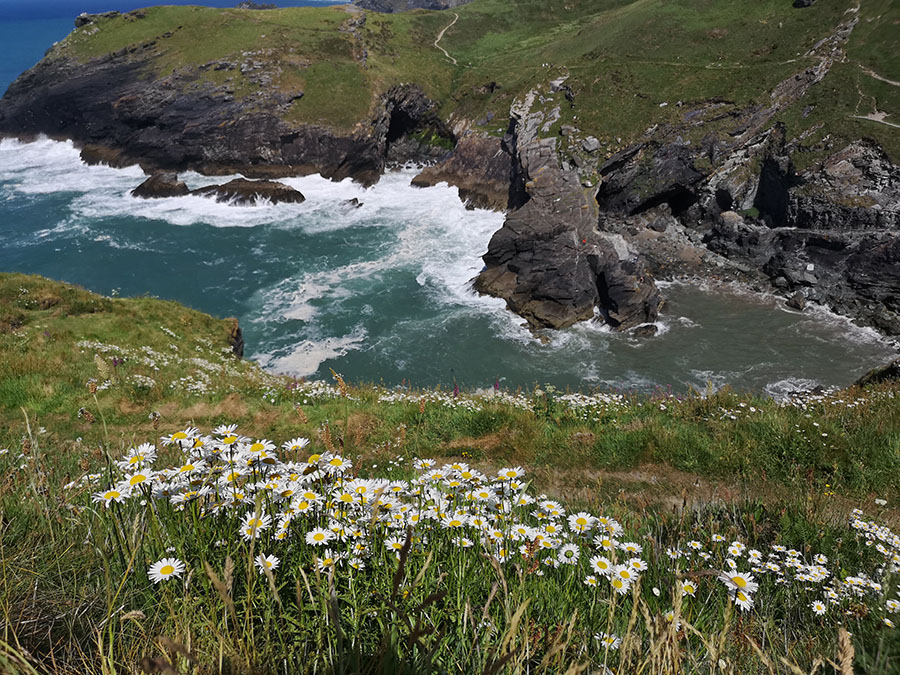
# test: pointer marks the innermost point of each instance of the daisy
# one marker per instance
(109, 496)
(569, 554)
(601, 565)
(893, 606)
(295, 444)
(590, 580)
(267, 562)
(631, 547)
(608, 640)
(620, 585)
(581, 522)
(742, 600)
(165, 569)
(740, 581)
(688, 588)
(818, 607)
(253, 525)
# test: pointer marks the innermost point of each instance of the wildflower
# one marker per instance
(253, 524)
(608, 640)
(739, 581)
(183, 435)
(267, 562)
(601, 565)
(295, 444)
(742, 600)
(631, 547)
(165, 569)
(109, 496)
(818, 607)
(718, 538)
(620, 585)
(888, 622)
(590, 580)
(510, 473)
(688, 588)
(569, 554)
(892, 605)
(581, 522)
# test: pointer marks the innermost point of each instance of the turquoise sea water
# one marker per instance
(379, 293)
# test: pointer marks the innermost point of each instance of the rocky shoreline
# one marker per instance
(715, 195)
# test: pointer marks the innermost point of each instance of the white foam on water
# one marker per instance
(782, 389)
(306, 356)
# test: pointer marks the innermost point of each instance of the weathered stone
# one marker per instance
(163, 184)
(480, 166)
(796, 301)
(243, 192)
(548, 261)
(886, 373)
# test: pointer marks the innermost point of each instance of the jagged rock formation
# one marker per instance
(177, 122)
(243, 192)
(548, 261)
(480, 166)
(390, 6)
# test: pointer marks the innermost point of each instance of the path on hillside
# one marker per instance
(441, 34)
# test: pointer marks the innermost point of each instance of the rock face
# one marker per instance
(548, 261)
(122, 115)
(390, 6)
(480, 166)
(162, 184)
(243, 192)
(881, 374)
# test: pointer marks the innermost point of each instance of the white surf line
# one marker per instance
(441, 34)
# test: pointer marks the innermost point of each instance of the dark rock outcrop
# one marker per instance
(162, 184)
(480, 166)
(886, 373)
(236, 338)
(243, 192)
(548, 261)
(120, 113)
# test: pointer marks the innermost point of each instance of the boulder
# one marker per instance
(796, 301)
(161, 184)
(243, 192)
(885, 373)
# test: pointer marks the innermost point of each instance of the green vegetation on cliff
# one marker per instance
(629, 63)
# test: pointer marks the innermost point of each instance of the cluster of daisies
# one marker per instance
(313, 509)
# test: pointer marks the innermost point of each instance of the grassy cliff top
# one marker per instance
(629, 62)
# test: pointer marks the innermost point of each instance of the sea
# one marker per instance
(380, 293)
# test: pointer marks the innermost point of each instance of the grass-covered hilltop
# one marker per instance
(170, 507)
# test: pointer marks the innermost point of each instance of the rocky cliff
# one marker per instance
(390, 6)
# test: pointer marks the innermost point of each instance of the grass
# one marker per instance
(623, 59)
(84, 378)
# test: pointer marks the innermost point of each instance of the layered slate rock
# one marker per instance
(548, 261)
(243, 192)
(480, 166)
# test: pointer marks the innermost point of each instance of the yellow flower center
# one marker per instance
(166, 570)
(739, 581)
(228, 440)
(179, 435)
(318, 536)
(139, 478)
(112, 494)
